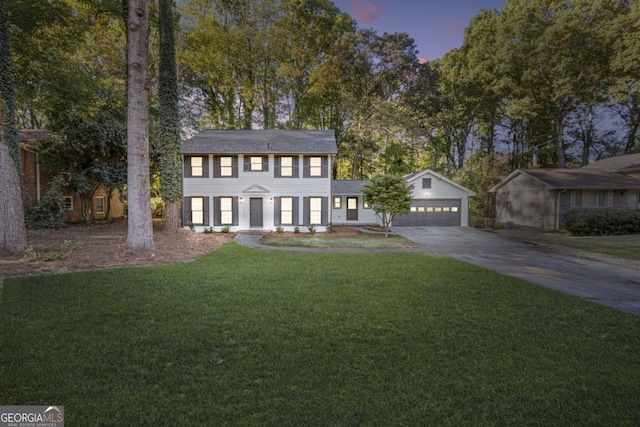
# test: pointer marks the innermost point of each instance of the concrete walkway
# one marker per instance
(603, 283)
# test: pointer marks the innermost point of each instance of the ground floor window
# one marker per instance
(226, 210)
(315, 210)
(337, 202)
(197, 210)
(100, 205)
(68, 203)
(286, 210)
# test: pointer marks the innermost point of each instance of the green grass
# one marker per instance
(248, 337)
(369, 241)
(626, 247)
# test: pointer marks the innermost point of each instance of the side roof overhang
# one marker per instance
(574, 179)
(261, 142)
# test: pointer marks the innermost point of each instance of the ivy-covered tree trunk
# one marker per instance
(169, 141)
(13, 236)
(140, 222)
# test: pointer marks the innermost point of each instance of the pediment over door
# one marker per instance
(255, 189)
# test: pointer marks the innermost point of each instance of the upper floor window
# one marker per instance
(256, 163)
(426, 182)
(196, 167)
(316, 167)
(225, 166)
(286, 167)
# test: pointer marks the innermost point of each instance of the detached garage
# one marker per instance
(437, 202)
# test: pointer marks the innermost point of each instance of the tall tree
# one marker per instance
(13, 236)
(169, 138)
(140, 222)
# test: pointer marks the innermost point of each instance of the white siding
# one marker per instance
(273, 187)
(365, 216)
(441, 189)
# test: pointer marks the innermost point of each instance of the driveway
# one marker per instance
(603, 283)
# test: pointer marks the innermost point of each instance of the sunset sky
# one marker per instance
(437, 26)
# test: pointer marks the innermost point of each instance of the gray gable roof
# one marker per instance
(261, 142)
(348, 188)
(583, 179)
(629, 161)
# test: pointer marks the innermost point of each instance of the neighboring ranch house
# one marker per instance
(540, 198)
(37, 181)
(264, 179)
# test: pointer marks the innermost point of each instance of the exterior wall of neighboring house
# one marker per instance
(527, 202)
(37, 182)
(287, 201)
(437, 201)
(340, 204)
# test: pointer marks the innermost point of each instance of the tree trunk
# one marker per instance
(13, 236)
(170, 134)
(560, 141)
(140, 222)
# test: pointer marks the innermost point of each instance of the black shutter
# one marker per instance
(265, 163)
(186, 211)
(306, 172)
(205, 166)
(216, 211)
(296, 210)
(216, 166)
(276, 167)
(234, 212)
(325, 211)
(205, 208)
(187, 166)
(296, 166)
(276, 211)
(247, 163)
(306, 210)
(325, 167)
(234, 162)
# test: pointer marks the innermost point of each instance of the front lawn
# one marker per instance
(627, 246)
(249, 337)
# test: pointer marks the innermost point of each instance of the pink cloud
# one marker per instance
(367, 11)
(452, 26)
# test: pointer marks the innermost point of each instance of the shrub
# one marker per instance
(296, 230)
(50, 211)
(279, 229)
(157, 207)
(602, 222)
(312, 229)
(330, 228)
(208, 230)
(226, 229)
(192, 227)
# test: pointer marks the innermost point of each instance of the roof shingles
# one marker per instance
(261, 142)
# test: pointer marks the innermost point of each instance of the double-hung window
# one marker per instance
(100, 205)
(197, 210)
(226, 166)
(226, 210)
(286, 166)
(256, 163)
(315, 166)
(337, 202)
(286, 210)
(196, 166)
(315, 210)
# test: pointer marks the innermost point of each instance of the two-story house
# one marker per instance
(263, 179)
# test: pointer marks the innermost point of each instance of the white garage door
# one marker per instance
(431, 212)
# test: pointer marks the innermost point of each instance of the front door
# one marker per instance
(352, 208)
(255, 211)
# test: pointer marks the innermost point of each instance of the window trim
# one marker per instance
(337, 202)
(68, 203)
(426, 183)
(277, 173)
(102, 211)
(217, 166)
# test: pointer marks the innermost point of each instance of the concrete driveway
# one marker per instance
(603, 283)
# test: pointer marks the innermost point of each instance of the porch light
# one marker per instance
(271, 200)
(241, 199)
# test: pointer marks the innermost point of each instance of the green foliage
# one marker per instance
(296, 230)
(388, 196)
(330, 228)
(157, 207)
(602, 222)
(208, 230)
(30, 254)
(191, 226)
(225, 229)
(279, 229)
(312, 229)
(49, 212)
